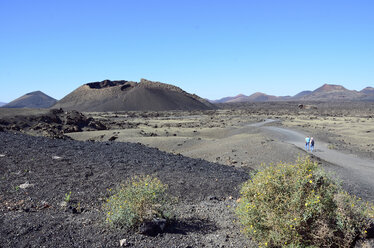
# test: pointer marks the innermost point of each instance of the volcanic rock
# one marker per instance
(48, 122)
(111, 164)
(152, 227)
(26, 185)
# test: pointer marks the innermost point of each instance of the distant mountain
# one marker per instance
(229, 99)
(368, 93)
(331, 92)
(330, 88)
(327, 92)
(131, 96)
(302, 94)
(368, 90)
(260, 97)
(36, 99)
(255, 97)
(2, 103)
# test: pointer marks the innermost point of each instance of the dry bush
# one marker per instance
(298, 205)
(141, 199)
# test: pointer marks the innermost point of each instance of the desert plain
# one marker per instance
(229, 135)
(203, 156)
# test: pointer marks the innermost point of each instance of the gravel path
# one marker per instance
(356, 173)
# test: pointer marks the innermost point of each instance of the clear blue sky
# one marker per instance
(211, 48)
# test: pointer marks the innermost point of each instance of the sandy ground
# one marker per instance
(354, 134)
(236, 141)
(34, 216)
(221, 136)
(354, 172)
(236, 138)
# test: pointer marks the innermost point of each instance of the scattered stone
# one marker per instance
(153, 227)
(26, 185)
(72, 210)
(212, 198)
(45, 204)
(123, 242)
(53, 123)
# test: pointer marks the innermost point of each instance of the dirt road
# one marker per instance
(356, 173)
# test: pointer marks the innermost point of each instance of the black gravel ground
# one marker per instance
(34, 217)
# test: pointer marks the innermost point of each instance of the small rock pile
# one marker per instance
(54, 123)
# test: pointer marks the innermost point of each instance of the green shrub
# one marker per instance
(140, 199)
(67, 197)
(298, 205)
(331, 147)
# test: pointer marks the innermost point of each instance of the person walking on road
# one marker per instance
(311, 144)
(307, 140)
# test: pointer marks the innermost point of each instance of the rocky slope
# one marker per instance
(131, 96)
(36, 99)
(37, 172)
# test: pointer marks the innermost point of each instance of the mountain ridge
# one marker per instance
(326, 92)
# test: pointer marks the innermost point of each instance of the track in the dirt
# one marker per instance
(357, 173)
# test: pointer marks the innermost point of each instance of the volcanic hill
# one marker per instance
(368, 90)
(35, 99)
(332, 92)
(131, 96)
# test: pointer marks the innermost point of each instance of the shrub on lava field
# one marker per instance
(298, 205)
(139, 200)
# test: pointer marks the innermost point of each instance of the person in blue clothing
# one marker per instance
(311, 144)
(307, 141)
